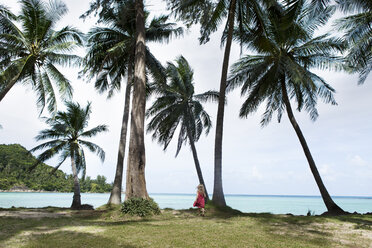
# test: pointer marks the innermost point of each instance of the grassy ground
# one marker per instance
(53, 227)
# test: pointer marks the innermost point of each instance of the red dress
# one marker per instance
(199, 201)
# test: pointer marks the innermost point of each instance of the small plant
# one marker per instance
(310, 213)
(140, 207)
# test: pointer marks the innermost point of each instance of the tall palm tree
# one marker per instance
(111, 57)
(178, 106)
(210, 14)
(358, 28)
(65, 138)
(286, 51)
(135, 181)
(31, 53)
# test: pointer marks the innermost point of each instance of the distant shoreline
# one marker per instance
(231, 195)
(29, 191)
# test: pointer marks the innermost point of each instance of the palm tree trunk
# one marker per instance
(332, 207)
(136, 183)
(218, 196)
(76, 201)
(8, 87)
(115, 196)
(197, 164)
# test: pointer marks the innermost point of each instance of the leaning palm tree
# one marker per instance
(178, 106)
(111, 57)
(65, 138)
(358, 28)
(286, 51)
(30, 54)
(210, 14)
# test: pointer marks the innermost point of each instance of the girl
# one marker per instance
(199, 202)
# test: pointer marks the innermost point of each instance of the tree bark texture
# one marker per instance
(332, 207)
(115, 196)
(76, 201)
(136, 183)
(218, 195)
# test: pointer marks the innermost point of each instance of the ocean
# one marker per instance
(276, 204)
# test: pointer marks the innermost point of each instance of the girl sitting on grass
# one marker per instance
(199, 202)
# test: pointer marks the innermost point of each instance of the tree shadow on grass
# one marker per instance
(74, 239)
(46, 232)
(360, 221)
(15, 223)
(319, 228)
(303, 227)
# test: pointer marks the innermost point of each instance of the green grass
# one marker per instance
(107, 227)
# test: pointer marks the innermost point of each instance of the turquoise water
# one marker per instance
(298, 205)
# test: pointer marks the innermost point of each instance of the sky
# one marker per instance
(256, 160)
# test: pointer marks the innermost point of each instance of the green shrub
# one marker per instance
(140, 207)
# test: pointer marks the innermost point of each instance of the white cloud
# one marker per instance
(358, 161)
(324, 169)
(327, 173)
(255, 173)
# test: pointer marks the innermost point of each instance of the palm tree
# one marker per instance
(30, 55)
(65, 138)
(111, 57)
(210, 14)
(358, 35)
(286, 51)
(178, 106)
(135, 181)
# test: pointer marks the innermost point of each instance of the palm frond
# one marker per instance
(93, 148)
(48, 154)
(94, 131)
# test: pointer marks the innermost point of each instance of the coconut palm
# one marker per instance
(111, 57)
(65, 135)
(286, 51)
(210, 14)
(358, 28)
(135, 181)
(35, 49)
(178, 106)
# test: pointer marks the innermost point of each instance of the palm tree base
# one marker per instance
(335, 211)
(114, 200)
(82, 207)
(76, 202)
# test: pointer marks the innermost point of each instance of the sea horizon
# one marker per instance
(229, 194)
(270, 195)
(275, 204)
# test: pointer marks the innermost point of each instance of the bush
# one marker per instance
(140, 207)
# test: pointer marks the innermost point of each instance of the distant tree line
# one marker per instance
(15, 162)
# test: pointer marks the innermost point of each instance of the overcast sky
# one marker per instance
(256, 160)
